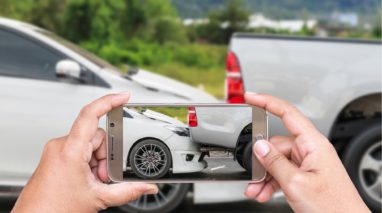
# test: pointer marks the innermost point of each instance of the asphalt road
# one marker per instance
(219, 168)
(276, 205)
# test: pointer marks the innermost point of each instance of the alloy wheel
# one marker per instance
(369, 171)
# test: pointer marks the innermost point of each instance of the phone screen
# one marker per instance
(187, 143)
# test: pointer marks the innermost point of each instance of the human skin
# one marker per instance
(72, 171)
(304, 165)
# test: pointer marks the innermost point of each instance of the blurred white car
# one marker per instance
(44, 82)
(155, 143)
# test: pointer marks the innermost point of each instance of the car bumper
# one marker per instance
(187, 162)
(186, 155)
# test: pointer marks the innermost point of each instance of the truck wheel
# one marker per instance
(150, 159)
(362, 160)
(240, 161)
(168, 198)
(247, 157)
(240, 153)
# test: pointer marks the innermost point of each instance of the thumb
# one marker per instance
(122, 193)
(274, 161)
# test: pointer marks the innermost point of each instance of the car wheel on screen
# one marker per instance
(240, 161)
(241, 152)
(168, 198)
(363, 162)
(247, 157)
(150, 159)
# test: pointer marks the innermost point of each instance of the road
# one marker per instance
(219, 168)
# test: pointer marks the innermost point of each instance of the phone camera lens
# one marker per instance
(111, 124)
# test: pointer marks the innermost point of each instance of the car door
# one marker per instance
(35, 104)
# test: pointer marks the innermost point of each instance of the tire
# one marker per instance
(365, 174)
(169, 197)
(239, 160)
(247, 157)
(150, 159)
(243, 140)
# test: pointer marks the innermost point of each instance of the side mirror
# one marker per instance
(68, 68)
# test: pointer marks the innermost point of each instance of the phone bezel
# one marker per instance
(115, 141)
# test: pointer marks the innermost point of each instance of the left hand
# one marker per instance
(71, 174)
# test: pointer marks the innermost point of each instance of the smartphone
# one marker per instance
(185, 143)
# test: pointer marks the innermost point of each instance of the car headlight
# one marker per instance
(181, 131)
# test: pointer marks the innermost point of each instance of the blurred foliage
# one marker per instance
(178, 113)
(141, 53)
(211, 79)
(377, 31)
(224, 22)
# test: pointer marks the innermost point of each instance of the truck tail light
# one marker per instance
(234, 81)
(192, 118)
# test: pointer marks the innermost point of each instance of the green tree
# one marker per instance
(5, 8)
(377, 31)
(15, 9)
(223, 23)
(77, 20)
(92, 20)
(152, 20)
(134, 18)
(46, 13)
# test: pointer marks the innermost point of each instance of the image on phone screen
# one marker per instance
(189, 143)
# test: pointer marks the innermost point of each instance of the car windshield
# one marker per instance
(86, 54)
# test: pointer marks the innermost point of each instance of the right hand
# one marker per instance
(304, 165)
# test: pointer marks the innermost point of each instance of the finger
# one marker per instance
(102, 171)
(293, 119)
(274, 161)
(86, 124)
(266, 193)
(94, 171)
(101, 151)
(283, 144)
(253, 189)
(99, 137)
(94, 146)
(93, 162)
(121, 193)
(262, 192)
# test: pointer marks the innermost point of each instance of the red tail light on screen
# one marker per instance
(234, 81)
(192, 119)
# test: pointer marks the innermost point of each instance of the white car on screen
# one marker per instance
(227, 128)
(155, 143)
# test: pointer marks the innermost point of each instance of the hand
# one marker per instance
(304, 165)
(70, 175)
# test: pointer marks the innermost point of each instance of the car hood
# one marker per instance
(162, 83)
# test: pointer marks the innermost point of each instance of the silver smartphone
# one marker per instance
(185, 143)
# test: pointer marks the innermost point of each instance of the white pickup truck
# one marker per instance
(335, 82)
(223, 128)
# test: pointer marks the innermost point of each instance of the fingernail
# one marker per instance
(151, 189)
(122, 96)
(124, 93)
(250, 187)
(251, 93)
(261, 148)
